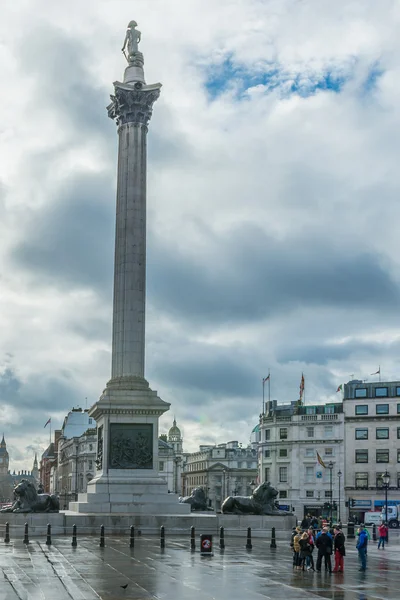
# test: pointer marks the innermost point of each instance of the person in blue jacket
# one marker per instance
(362, 546)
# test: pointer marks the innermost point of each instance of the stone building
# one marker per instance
(291, 438)
(372, 439)
(76, 465)
(223, 470)
(171, 458)
(10, 479)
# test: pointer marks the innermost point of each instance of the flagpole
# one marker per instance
(50, 433)
(263, 403)
(269, 385)
(379, 373)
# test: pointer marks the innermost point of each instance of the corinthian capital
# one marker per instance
(133, 103)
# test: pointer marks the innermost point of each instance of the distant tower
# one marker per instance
(35, 470)
(4, 458)
(175, 438)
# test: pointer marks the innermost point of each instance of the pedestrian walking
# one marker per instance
(324, 545)
(362, 546)
(383, 532)
(297, 549)
(340, 550)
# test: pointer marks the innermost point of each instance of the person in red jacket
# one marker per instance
(383, 532)
(340, 550)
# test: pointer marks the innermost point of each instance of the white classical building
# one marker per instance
(223, 470)
(372, 440)
(171, 458)
(291, 438)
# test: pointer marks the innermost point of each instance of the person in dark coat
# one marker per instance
(324, 545)
(340, 550)
(305, 524)
(305, 549)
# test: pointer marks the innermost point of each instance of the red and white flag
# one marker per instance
(47, 422)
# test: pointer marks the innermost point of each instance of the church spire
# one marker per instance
(3, 442)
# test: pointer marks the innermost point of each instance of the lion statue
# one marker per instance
(197, 499)
(28, 500)
(261, 502)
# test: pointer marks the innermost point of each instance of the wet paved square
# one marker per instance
(89, 572)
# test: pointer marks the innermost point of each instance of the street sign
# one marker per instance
(206, 544)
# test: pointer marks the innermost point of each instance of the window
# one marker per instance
(283, 474)
(309, 474)
(328, 494)
(329, 410)
(266, 474)
(381, 392)
(267, 453)
(398, 433)
(398, 392)
(398, 455)
(328, 451)
(361, 434)
(309, 493)
(382, 409)
(382, 433)
(361, 456)
(398, 480)
(361, 409)
(382, 456)
(283, 452)
(161, 465)
(90, 465)
(267, 435)
(90, 447)
(310, 452)
(90, 421)
(310, 410)
(379, 480)
(360, 393)
(361, 480)
(283, 494)
(398, 409)
(283, 433)
(328, 430)
(310, 432)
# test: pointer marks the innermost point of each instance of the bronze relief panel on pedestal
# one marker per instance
(131, 446)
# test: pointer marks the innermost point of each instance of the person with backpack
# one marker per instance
(340, 550)
(324, 545)
(383, 533)
(362, 546)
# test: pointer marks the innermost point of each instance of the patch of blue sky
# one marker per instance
(371, 81)
(235, 79)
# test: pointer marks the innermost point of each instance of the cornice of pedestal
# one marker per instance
(133, 103)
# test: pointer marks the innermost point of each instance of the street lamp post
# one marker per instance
(339, 476)
(386, 482)
(330, 467)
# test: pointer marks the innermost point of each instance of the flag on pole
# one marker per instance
(266, 378)
(47, 422)
(339, 388)
(321, 462)
(378, 372)
(301, 386)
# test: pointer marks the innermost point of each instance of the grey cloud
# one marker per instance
(71, 241)
(250, 276)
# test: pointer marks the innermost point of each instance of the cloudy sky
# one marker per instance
(273, 200)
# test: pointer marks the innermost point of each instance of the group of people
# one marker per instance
(326, 541)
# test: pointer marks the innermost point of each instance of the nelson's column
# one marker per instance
(127, 412)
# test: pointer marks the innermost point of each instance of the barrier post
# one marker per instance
(374, 532)
(48, 537)
(26, 535)
(273, 539)
(350, 531)
(132, 537)
(248, 542)
(102, 541)
(74, 540)
(221, 538)
(7, 535)
(192, 538)
(162, 536)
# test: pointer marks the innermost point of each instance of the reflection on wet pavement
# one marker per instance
(145, 571)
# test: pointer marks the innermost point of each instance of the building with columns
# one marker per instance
(291, 438)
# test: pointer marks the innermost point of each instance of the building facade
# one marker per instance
(223, 470)
(8, 479)
(372, 440)
(171, 458)
(301, 452)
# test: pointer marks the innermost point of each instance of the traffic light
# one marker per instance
(334, 505)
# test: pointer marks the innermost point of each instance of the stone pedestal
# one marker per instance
(127, 412)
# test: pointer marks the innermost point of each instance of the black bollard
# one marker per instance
(273, 539)
(26, 536)
(192, 539)
(74, 541)
(221, 538)
(248, 542)
(132, 537)
(102, 544)
(374, 532)
(48, 538)
(350, 531)
(7, 535)
(162, 536)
